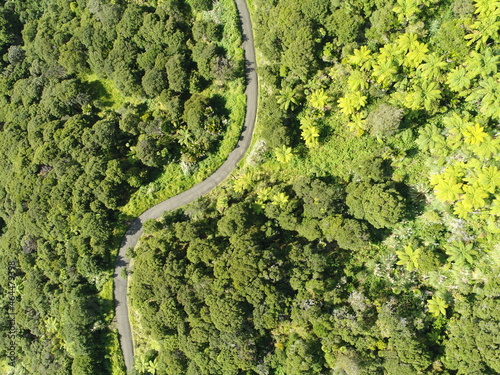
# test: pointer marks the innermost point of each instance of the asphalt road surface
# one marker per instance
(136, 229)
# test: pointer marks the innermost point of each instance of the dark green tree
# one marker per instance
(379, 204)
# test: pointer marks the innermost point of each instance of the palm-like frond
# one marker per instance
(416, 54)
(461, 210)
(310, 135)
(152, 366)
(287, 98)
(357, 81)
(488, 148)
(319, 99)
(474, 196)
(361, 57)
(283, 154)
(430, 139)
(437, 306)
(432, 67)
(448, 190)
(458, 79)
(489, 178)
(358, 123)
(474, 134)
(430, 93)
(280, 199)
(384, 71)
(409, 257)
(406, 10)
(389, 52)
(495, 207)
(460, 253)
(405, 41)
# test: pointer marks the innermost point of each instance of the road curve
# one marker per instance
(135, 230)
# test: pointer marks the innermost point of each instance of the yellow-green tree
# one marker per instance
(409, 257)
(310, 135)
(437, 306)
(283, 154)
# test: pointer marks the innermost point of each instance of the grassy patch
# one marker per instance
(106, 93)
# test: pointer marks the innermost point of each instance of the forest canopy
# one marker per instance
(360, 236)
(97, 99)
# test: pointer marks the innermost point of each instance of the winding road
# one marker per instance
(135, 230)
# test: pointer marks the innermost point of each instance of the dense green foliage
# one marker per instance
(97, 97)
(362, 235)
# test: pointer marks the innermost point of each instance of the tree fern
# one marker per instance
(358, 100)
(153, 366)
(474, 196)
(495, 207)
(487, 149)
(280, 199)
(448, 190)
(430, 139)
(389, 52)
(306, 122)
(474, 65)
(184, 137)
(287, 98)
(458, 80)
(489, 62)
(243, 182)
(430, 94)
(351, 102)
(460, 253)
(487, 25)
(485, 7)
(283, 154)
(384, 71)
(405, 41)
(461, 210)
(437, 306)
(416, 54)
(409, 257)
(51, 324)
(263, 195)
(406, 10)
(357, 81)
(455, 120)
(413, 100)
(490, 96)
(474, 134)
(361, 57)
(489, 178)
(310, 135)
(319, 99)
(358, 124)
(432, 67)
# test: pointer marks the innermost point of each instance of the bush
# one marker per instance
(379, 204)
(384, 121)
